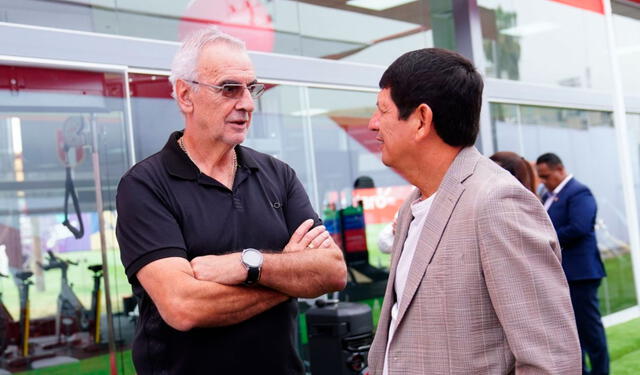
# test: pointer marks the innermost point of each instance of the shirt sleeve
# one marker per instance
(298, 207)
(581, 211)
(146, 229)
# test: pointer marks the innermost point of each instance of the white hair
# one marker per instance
(185, 62)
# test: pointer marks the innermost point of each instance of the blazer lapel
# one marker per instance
(448, 194)
(402, 228)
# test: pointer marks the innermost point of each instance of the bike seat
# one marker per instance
(24, 275)
(95, 267)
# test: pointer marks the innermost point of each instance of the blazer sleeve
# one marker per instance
(581, 213)
(520, 258)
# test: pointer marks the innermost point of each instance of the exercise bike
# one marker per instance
(19, 332)
(72, 316)
(16, 332)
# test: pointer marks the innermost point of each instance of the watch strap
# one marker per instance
(253, 275)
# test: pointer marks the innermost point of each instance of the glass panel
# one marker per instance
(574, 135)
(363, 31)
(49, 116)
(360, 30)
(154, 113)
(546, 42)
(627, 34)
(633, 125)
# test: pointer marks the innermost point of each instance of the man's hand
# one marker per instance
(303, 238)
(223, 269)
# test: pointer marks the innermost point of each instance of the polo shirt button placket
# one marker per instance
(237, 202)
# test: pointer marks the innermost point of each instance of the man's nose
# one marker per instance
(374, 122)
(245, 102)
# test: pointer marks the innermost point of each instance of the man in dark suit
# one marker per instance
(572, 210)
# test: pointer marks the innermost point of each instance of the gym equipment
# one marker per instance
(76, 137)
(19, 332)
(23, 289)
(96, 302)
(340, 335)
(72, 316)
(9, 328)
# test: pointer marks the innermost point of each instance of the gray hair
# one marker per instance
(185, 62)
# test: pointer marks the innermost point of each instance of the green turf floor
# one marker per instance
(624, 348)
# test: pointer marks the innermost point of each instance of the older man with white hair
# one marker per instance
(218, 239)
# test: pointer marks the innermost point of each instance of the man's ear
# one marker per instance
(183, 96)
(425, 121)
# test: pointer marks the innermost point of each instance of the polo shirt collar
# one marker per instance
(179, 165)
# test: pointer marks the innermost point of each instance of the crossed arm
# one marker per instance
(310, 265)
(205, 292)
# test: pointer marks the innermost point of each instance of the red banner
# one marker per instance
(591, 5)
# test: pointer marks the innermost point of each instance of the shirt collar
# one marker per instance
(558, 188)
(179, 165)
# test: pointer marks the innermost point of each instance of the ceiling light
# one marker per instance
(378, 4)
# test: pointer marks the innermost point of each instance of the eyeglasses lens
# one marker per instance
(235, 90)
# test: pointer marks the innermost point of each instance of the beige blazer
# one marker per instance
(485, 293)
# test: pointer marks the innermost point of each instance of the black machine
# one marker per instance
(339, 330)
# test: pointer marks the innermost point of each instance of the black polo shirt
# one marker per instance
(167, 208)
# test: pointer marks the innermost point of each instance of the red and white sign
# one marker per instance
(381, 204)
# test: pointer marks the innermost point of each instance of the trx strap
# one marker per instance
(70, 190)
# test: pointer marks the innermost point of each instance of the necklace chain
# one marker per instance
(235, 157)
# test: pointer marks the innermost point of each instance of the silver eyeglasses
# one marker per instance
(234, 90)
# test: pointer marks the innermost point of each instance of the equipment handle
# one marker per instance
(71, 191)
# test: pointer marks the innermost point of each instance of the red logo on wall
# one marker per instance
(247, 20)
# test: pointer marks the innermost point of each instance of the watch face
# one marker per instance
(252, 258)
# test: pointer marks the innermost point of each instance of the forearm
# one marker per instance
(306, 273)
(185, 302)
(210, 304)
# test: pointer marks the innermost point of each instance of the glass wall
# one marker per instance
(633, 126)
(586, 143)
(545, 42)
(627, 34)
(58, 127)
(362, 31)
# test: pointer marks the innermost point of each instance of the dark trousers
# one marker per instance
(584, 297)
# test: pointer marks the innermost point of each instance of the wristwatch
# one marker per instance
(252, 261)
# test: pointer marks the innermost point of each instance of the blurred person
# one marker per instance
(572, 209)
(476, 284)
(217, 238)
(518, 166)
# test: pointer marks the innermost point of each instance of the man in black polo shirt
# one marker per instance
(217, 238)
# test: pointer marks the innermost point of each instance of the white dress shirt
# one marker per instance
(554, 193)
(420, 210)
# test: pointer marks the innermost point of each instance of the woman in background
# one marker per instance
(518, 166)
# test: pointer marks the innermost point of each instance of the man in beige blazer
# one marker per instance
(476, 284)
